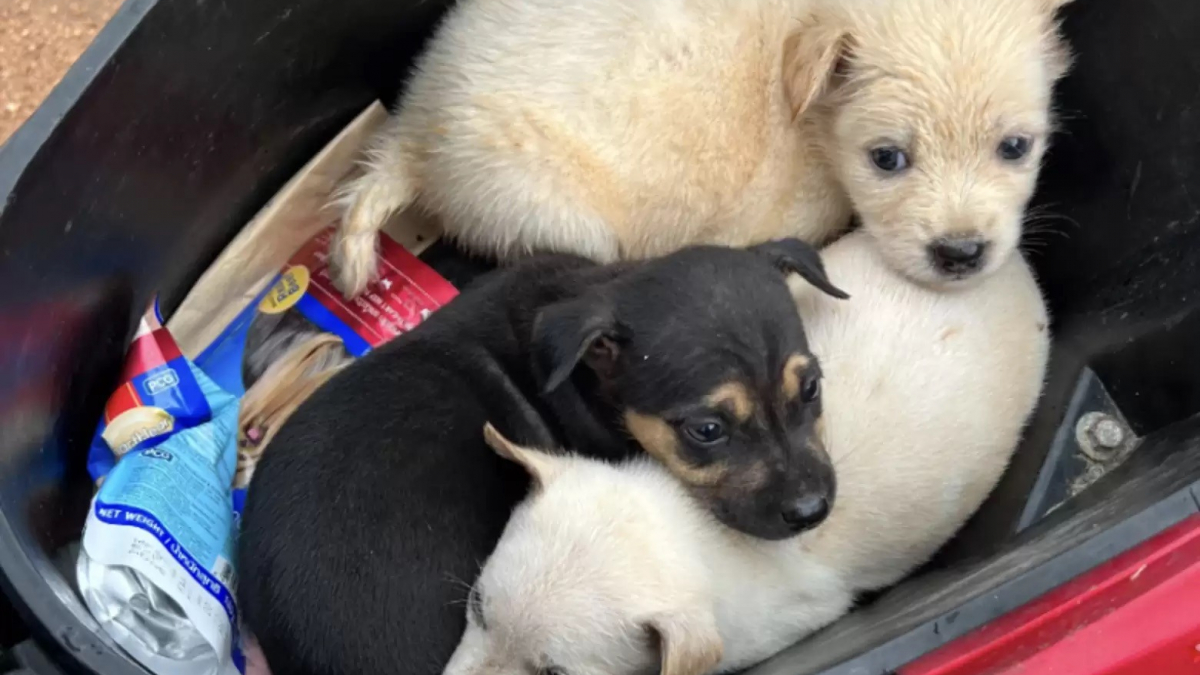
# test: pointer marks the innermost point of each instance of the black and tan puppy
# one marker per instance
(377, 500)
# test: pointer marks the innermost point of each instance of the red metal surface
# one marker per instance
(1138, 614)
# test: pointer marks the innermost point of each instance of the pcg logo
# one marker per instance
(162, 381)
(158, 453)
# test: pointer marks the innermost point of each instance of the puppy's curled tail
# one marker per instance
(386, 185)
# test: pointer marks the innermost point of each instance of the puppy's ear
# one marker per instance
(1058, 58)
(688, 641)
(813, 55)
(1058, 55)
(542, 466)
(1055, 5)
(583, 329)
(793, 256)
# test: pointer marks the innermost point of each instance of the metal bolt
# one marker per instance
(1107, 433)
(1100, 436)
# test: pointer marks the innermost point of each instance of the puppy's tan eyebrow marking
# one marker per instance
(659, 440)
(735, 397)
(791, 375)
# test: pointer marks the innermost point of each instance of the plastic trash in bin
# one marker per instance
(156, 566)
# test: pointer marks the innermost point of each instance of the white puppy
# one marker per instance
(613, 570)
(627, 128)
(925, 398)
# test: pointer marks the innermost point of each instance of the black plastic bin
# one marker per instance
(183, 118)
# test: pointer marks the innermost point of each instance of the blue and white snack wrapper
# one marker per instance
(156, 568)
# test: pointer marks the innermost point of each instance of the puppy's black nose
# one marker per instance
(806, 512)
(958, 255)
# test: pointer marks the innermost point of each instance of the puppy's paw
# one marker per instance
(354, 260)
(366, 203)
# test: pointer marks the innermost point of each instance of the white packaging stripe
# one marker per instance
(142, 329)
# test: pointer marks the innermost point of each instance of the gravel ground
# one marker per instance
(39, 40)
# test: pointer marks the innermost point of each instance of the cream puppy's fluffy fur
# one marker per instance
(604, 564)
(925, 396)
(627, 128)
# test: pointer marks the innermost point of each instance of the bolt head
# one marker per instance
(1107, 433)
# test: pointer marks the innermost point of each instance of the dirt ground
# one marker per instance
(39, 40)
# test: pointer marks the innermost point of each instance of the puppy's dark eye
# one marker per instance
(552, 670)
(1014, 147)
(889, 158)
(706, 431)
(811, 390)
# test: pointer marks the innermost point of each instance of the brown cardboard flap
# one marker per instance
(293, 216)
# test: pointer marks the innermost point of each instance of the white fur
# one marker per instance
(628, 128)
(925, 396)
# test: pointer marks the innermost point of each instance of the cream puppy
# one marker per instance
(926, 394)
(625, 128)
(613, 570)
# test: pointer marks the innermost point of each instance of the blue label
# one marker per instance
(222, 360)
(322, 318)
(172, 387)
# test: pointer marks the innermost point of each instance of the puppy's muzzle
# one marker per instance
(958, 256)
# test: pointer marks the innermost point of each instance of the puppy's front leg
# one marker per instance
(387, 186)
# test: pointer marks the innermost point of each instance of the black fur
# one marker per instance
(376, 503)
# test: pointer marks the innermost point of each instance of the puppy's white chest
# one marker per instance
(778, 605)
